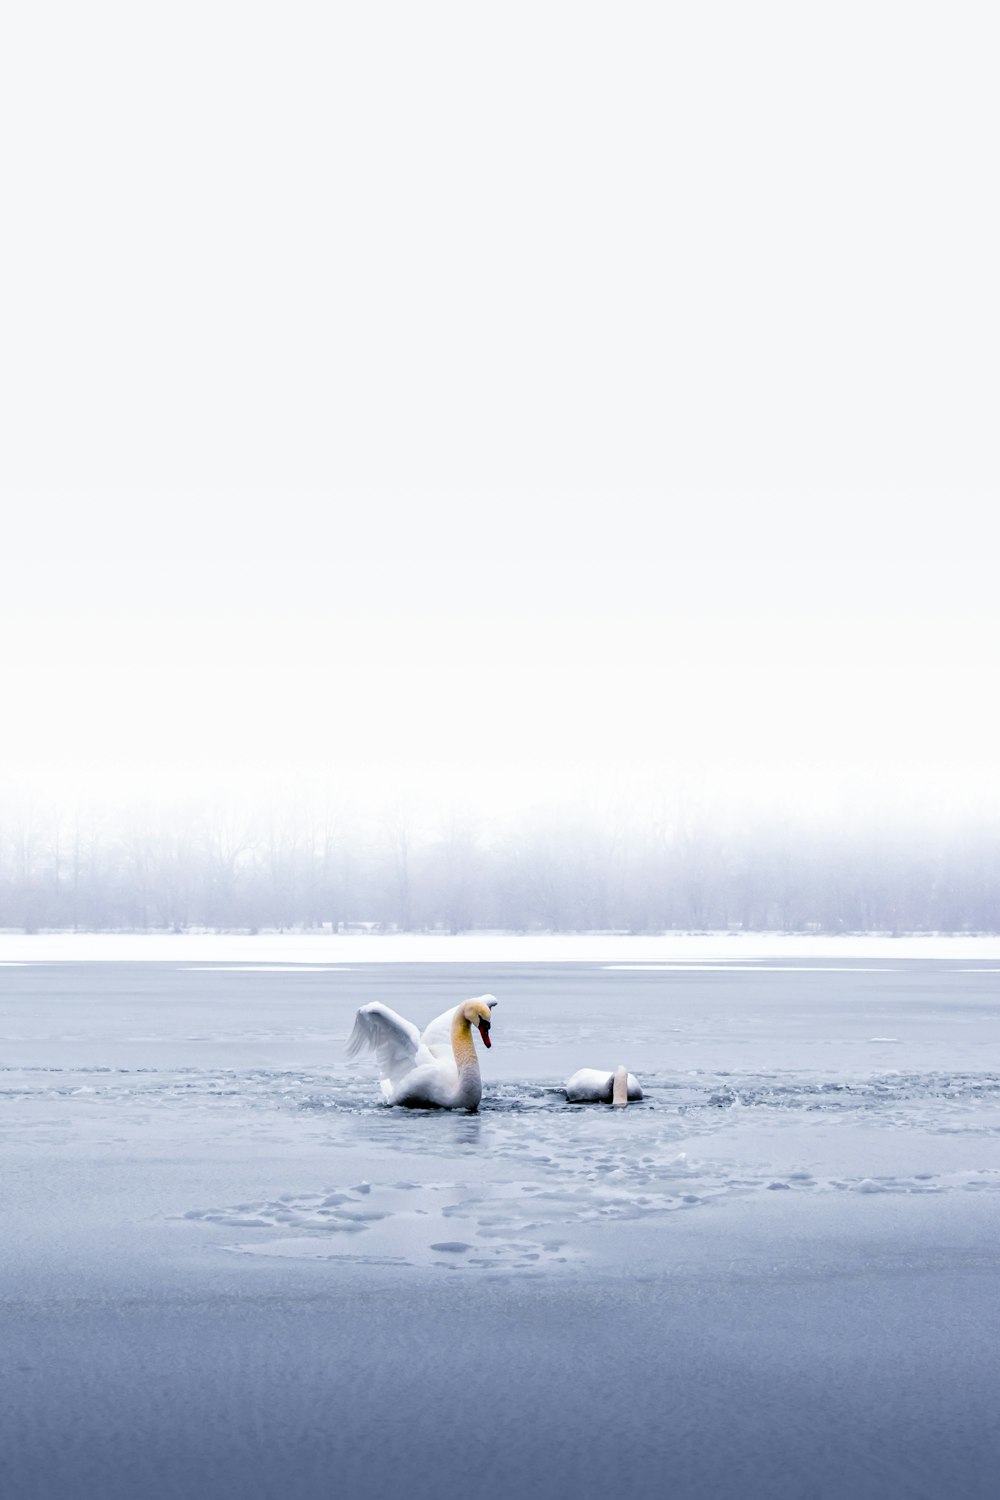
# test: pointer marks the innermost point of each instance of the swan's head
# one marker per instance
(477, 1013)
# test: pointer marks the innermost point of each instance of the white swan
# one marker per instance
(436, 1070)
(591, 1086)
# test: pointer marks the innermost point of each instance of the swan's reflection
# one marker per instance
(468, 1130)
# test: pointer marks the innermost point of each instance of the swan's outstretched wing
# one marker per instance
(394, 1040)
(436, 1035)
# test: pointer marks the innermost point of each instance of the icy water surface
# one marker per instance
(229, 1269)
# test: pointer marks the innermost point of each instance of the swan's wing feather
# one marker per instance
(436, 1036)
(431, 1084)
(589, 1086)
(394, 1041)
(594, 1086)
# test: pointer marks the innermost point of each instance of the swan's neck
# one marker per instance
(470, 1084)
(619, 1089)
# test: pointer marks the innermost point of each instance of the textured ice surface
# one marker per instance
(225, 1260)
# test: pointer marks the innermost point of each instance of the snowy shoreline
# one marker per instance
(486, 947)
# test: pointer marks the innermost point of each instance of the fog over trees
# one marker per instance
(665, 865)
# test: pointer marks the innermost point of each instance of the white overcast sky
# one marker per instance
(499, 401)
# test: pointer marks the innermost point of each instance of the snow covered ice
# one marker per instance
(230, 1269)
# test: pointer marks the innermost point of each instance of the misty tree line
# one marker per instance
(560, 871)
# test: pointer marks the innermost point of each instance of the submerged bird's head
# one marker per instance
(477, 1013)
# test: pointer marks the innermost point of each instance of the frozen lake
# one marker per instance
(229, 1271)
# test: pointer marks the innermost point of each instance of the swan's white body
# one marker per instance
(591, 1086)
(436, 1069)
